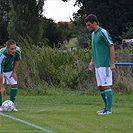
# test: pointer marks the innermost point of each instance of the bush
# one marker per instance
(43, 68)
(53, 67)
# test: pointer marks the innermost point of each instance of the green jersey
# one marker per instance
(101, 42)
(7, 61)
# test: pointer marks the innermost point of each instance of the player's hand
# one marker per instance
(14, 75)
(91, 66)
(112, 67)
(3, 91)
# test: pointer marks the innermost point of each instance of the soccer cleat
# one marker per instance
(15, 110)
(106, 112)
(1, 109)
(100, 111)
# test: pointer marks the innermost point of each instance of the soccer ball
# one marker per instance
(8, 106)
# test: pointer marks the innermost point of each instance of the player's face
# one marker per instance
(90, 26)
(11, 49)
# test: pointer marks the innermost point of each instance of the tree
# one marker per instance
(82, 36)
(57, 33)
(4, 19)
(66, 29)
(129, 33)
(115, 16)
(50, 32)
(26, 19)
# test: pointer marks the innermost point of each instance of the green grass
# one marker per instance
(69, 114)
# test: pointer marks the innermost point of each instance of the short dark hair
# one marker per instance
(10, 42)
(91, 18)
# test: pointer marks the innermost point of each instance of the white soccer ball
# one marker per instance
(8, 106)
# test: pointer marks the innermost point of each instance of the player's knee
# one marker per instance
(103, 87)
(14, 85)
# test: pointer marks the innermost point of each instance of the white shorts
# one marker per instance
(103, 76)
(7, 79)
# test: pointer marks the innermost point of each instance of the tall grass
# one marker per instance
(42, 68)
(123, 76)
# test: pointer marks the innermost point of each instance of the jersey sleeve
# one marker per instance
(107, 37)
(1, 63)
(18, 54)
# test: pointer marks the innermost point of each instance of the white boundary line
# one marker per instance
(28, 123)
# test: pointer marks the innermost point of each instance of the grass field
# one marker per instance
(68, 114)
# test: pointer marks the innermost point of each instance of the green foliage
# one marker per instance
(62, 68)
(128, 34)
(108, 12)
(57, 33)
(123, 75)
(25, 19)
(53, 67)
(43, 68)
(83, 36)
(4, 19)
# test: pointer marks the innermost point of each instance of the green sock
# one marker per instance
(0, 99)
(108, 98)
(103, 97)
(13, 93)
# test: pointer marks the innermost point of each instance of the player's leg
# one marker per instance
(99, 83)
(108, 97)
(104, 81)
(13, 93)
(1, 95)
(13, 87)
(1, 102)
(108, 91)
(103, 97)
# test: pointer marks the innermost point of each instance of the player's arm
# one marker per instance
(91, 65)
(16, 62)
(2, 89)
(14, 70)
(112, 57)
(109, 42)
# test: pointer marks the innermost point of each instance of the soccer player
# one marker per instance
(103, 56)
(9, 58)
